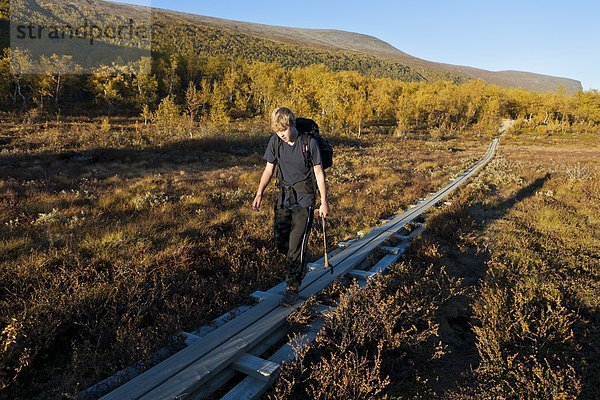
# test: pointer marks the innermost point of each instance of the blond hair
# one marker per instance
(281, 119)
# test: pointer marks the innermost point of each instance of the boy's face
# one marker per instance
(285, 135)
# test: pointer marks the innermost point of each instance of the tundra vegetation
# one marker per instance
(498, 299)
(125, 219)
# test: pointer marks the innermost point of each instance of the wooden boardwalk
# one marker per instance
(209, 361)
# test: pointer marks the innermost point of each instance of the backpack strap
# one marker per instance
(308, 160)
(306, 150)
(279, 181)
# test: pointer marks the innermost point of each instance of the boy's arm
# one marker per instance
(320, 176)
(264, 181)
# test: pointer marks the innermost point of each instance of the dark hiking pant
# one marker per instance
(291, 229)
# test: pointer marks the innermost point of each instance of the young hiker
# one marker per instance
(296, 199)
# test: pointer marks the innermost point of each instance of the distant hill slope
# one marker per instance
(341, 40)
(339, 50)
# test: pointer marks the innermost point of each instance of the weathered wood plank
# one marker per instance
(346, 244)
(195, 375)
(355, 254)
(360, 274)
(255, 366)
(322, 308)
(251, 388)
(227, 374)
(416, 232)
(157, 375)
(259, 295)
(222, 320)
(321, 261)
(391, 250)
(190, 338)
(385, 263)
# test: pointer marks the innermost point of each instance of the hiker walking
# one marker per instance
(299, 173)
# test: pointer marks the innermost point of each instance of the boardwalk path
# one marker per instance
(209, 361)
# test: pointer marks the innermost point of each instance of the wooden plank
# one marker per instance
(227, 374)
(310, 277)
(360, 274)
(400, 237)
(345, 244)
(251, 388)
(220, 321)
(190, 337)
(383, 264)
(127, 374)
(313, 266)
(160, 373)
(255, 366)
(349, 262)
(259, 296)
(195, 375)
(391, 250)
(416, 232)
(321, 261)
(359, 250)
(314, 272)
(351, 257)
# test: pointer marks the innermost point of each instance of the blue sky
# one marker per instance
(552, 37)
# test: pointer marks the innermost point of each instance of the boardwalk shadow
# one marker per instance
(469, 265)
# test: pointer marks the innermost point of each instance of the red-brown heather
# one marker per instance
(125, 218)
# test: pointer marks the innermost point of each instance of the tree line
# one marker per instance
(178, 91)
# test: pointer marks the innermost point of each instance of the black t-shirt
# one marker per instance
(293, 168)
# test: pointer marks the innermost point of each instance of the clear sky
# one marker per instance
(554, 37)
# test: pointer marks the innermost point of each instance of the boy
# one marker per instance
(296, 199)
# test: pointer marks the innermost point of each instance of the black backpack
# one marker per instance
(308, 128)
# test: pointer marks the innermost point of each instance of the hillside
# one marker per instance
(349, 41)
(339, 50)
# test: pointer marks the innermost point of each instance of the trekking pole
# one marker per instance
(326, 263)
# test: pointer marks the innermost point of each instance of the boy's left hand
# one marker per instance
(324, 210)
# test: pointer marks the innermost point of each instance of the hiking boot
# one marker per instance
(290, 296)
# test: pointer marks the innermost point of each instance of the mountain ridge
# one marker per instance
(511, 78)
(291, 46)
(335, 39)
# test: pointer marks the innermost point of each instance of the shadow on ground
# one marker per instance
(203, 154)
(468, 264)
